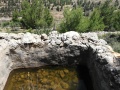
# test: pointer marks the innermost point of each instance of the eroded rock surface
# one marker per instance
(71, 48)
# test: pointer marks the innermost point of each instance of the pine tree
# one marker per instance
(107, 11)
(34, 14)
(116, 20)
(74, 21)
(96, 21)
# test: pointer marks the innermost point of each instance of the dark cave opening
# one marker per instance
(85, 81)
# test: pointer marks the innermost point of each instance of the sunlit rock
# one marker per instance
(70, 48)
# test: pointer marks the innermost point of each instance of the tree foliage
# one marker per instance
(104, 16)
(74, 21)
(33, 14)
(96, 21)
(116, 20)
(91, 16)
(107, 11)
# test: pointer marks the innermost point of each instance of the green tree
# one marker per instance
(116, 20)
(83, 25)
(15, 16)
(74, 21)
(34, 14)
(96, 21)
(47, 18)
(107, 12)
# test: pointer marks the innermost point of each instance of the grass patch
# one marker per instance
(113, 40)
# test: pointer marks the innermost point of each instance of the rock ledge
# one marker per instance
(70, 48)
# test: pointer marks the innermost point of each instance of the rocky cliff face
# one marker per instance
(31, 50)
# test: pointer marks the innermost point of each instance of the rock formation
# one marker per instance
(70, 48)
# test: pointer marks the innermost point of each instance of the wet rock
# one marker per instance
(75, 80)
(62, 74)
(44, 80)
(66, 71)
(64, 85)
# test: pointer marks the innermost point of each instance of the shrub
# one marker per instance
(96, 21)
(4, 24)
(33, 15)
(74, 20)
(113, 40)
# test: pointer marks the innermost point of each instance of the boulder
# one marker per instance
(66, 49)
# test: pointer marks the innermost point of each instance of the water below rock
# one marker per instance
(44, 78)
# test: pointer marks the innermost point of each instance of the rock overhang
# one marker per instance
(70, 48)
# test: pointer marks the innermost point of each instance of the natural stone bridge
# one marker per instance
(31, 50)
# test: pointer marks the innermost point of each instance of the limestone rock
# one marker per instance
(58, 42)
(28, 38)
(72, 34)
(92, 36)
(67, 42)
(70, 48)
(53, 33)
(102, 42)
(44, 37)
(14, 36)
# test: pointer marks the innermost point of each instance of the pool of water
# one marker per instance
(44, 78)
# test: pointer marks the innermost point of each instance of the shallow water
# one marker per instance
(44, 78)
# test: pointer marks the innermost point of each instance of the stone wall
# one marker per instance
(71, 48)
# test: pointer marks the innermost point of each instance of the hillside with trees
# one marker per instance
(77, 15)
(100, 17)
(33, 15)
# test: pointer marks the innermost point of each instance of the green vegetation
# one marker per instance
(97, 17)
(82, 16)
(116, 20)
(33, 15)
(96, 21)
(77, 21)
(74, 20)
(113, 40)
(10, 24)
(107, 11)
(60, 2)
